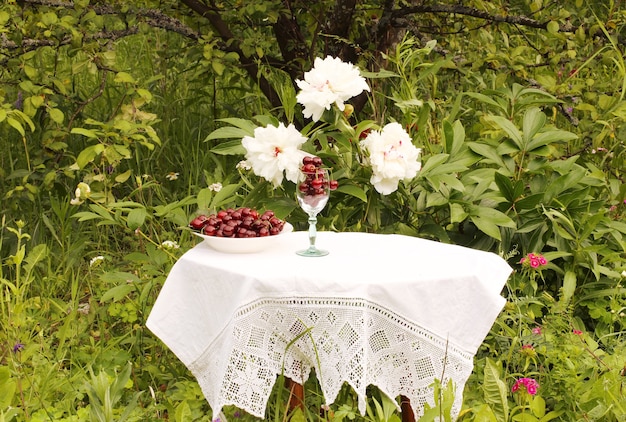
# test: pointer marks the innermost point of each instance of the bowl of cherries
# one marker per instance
(239, 230)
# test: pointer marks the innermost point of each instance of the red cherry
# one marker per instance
(198, 222)
(308, 168)
(209, 230)
(333, 185)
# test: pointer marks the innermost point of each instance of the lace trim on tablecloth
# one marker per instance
(345, 340)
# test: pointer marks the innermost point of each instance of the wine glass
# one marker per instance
(312, 193)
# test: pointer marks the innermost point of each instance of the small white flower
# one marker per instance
(331, 81)
(171, 176)
(215, 187)
(82, 192)
(169, 244)
(274, 150)
(83, 308)
(624, 273)
(243, 165)
(393, 157)
(96, 260)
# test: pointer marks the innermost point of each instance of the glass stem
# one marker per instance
(312, 231)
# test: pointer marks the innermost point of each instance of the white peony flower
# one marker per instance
(393, 157)
(274, 150)
(331, 81)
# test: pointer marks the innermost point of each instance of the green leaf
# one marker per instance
(224, 195)
(36, 254)
(433, 162)
(524, 417)
(117, 293)
(506, 187)
(497, 217)
(120, 277)
(538, 406)
(457, 213)
(85, 132)
(569, 286)
(353, 190)
(228, 132)
(495, 390)
(551, 415)
(123, 77)
(509, 128)
(218, 67)
(454, 136)
(229, 148)
(88, 155)
(16, 125)
(487, 151)
(121, 178)
(7, 388)
(529, 202)
(203, 199)
(550, 137)
(486, 226)
(534, 120)
(484, 414)
(136, 218)
(183, 412)
(56, 115)
(553, 27)
(486, 99)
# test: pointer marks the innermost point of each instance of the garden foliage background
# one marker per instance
(518, 107)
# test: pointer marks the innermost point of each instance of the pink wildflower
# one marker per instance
(533, 260)
(537, 331)
(577, 332)
(530, 385)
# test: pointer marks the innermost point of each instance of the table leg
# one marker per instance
(296, 395)
(407, 410)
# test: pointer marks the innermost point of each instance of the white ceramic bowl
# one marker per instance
(244, 245)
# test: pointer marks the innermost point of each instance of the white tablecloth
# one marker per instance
(392, 311)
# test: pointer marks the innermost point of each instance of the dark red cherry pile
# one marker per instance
(238, 223)
(315, 182)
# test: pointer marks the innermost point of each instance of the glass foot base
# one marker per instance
(312, 252)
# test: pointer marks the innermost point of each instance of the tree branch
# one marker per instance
(467, 11)
(290, 41)
(231, 44)
(338, 27)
